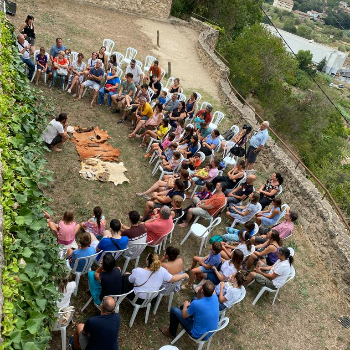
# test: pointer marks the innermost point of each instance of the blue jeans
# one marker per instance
(101, 96)
(176, 318)
(31, 66)
(54, 77)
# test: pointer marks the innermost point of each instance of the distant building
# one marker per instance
(334, 59)
(302, 15)
(284, 4)
(343, 5)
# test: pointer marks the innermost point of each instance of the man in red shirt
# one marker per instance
(207, 113)
(160, 225)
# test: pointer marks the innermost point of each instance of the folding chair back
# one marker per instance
(109, 44)
(119, 57)
(115, 253)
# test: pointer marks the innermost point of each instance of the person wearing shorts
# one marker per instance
(93, 80)
(56, 132)
(99, 332)
(257, 142)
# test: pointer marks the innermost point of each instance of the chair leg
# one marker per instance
(148, 308)
(188, 234)
(77, 279)
(196, 219)
(63, 338)
(160, 296)
(125, 265)
(178, 337)
(209, 342)
(137, 262)
(194, 191)
(136, 310)
(161, 175)
(262, 290)
(86, 305)
(274, 299)
(171, 296)
(200, 346)
(202, 244)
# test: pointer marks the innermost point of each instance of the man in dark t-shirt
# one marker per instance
(242, 192)
(98, 332)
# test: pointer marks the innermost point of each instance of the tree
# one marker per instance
(289, 26)
(321, 64)
(304, 59)
(259, 63)
(304, 31)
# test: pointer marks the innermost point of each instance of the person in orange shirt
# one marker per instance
(154, 69)
(209, 207)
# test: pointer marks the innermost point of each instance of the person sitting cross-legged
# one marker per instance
(94, 79)
(196, 317)
(99, 332)
(209, 207)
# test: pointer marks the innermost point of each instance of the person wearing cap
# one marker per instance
(207, 113)
(137, 73)
(159, 225)
(172, 104)
(203, 131)
(273, 276)
(257, 142)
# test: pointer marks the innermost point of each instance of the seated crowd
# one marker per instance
(158, 118)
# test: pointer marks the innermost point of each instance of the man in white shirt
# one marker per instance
(136, 71)
(56, 132)
(24, 47)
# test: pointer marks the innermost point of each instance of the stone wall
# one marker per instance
(146, 8)
(320, 222)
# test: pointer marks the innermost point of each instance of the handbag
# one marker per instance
(237, 151)
(61, 71)
(216, 238)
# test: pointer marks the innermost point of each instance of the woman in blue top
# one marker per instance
(191, 105)
(110, 88)
(211, 142)
(192, 147)
(270, 216)
(113, 241)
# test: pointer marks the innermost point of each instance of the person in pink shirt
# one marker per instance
(285, 228)
(159, 225)
(65, 230)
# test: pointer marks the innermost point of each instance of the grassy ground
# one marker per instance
(306, 316)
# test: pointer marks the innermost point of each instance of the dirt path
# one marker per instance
(178, 46)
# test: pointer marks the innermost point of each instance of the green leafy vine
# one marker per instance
(31, 252)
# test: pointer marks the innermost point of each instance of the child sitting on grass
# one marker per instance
(206, 264)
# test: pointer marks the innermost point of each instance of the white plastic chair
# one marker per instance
(244, 220)
(162, 75)
(228, 144)
(119, 72)
(118, 300)
(217, 213)
(115, 253)
(150, 93)
(222, 324)
(263, 289)
(135, 256)
(159, 166)
(129, 55)
(148, 63)
(145, 304)
(139, 63)
(119, 57)
(199, 97)
(175, 221)
(109, 44)
(74, 56)
(160, 242)
(36, 52)
(168, 84)
(62, 323)
(201, 232)
(88, 262)
(182, 97)
(169, 290)
(205, 104)
(284, 208)
(279, 191)
(223, 312)
(216, 120)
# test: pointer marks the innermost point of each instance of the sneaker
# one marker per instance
(120, 121)
(75, 95)
(69, 91)
(71, 343)
(127, 108)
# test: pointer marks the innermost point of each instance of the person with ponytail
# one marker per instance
(270, 248)
(66, 286)
(231, 291)
(96, 224)
(151, 277)
(245, 245)
(276, 275)
(227, 268)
